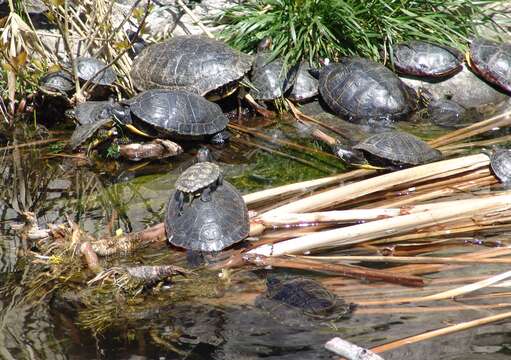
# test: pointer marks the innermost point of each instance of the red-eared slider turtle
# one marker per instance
(420, 58)
(204, 213)
(287, 299)
(305, 86)
(500, 162)
(361, 90)
(449, 114)
(173, 114)
(270, 80)
(57, 82)
(192, 63)
(492, 61)
(389, 149)
(87, 69)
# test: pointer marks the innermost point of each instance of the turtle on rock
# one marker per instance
(305, 86)
(205, 213)
(492, 61)
(363, 91)
(389, 149)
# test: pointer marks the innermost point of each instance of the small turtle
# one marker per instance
(201, 178)
(361, 90)
(92, 111)
(305, 86)
(287, 299)
(420, 58)
(500, 162)
(173, 114)
(389, 149)
(269, 77)
(82, 133)
(449, 114)
(57, 82)
(196, 64)
(89, 68)
(492, 61)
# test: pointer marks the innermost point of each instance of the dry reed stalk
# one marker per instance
(350, 351)
(462, 146)
(424, 310)
(409, 259)
(441, 332)
(336, 196)
(356, 234)
(500, 120)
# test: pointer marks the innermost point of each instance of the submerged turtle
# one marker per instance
(285, 299)
(450, 114)
(361, 90)
(205, 213)
(389, 149)
(193, 63)
(305, 86)
(500, 162)
(492, 61)
(174, 114)
(87, 68)
(59, 81)
(420, 58)
(269, 77)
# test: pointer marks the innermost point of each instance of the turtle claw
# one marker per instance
(180, 200)
(206, 195)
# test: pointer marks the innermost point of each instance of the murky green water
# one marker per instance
(203, 317)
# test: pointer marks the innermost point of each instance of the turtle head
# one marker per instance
(121, 113)
(264, 44)
(204, 154)
(348, 154)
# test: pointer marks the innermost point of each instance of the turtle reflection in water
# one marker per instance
(288, 300)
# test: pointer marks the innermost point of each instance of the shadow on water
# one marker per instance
(195, 318)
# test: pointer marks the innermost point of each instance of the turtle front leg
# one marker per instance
(179, 197)
(206, 194)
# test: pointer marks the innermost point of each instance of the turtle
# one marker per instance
(270, 79)
(492, 61)
(95, 70)
(449, 114)
(363, 91)
(388, 149)
(421, 58)
(91, 111)
(205, 223)
(289, 298)
(305, 86)
(194, 63)
(82, 133)
(500, 163)
(57, 82)
(173, 113)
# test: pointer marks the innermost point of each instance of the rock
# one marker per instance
(465, 88)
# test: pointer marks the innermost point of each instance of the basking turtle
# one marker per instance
(193, 63)
(450, 114)
(82, 133)
(420, 58)
(500, 162)
(269, 77)
(361, 90)
(87, 69)
(57, 82)
(92, 111)
(305, 86)
(204, 213)
(173, 114)
(492, 61)
(389, 149)
(287, 299)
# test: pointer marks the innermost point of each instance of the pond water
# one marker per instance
(204, 316)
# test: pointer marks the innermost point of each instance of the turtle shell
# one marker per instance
(269, 79)
(421, 58)
(84, 132)
(359, 89)
(305, 86)
(500, 162)
(193, 63)
(57, 81)
(178, 112)
(198, 176)
(87, 69)
(91, 111)
(287, 299)
(398, 147)
(492, 61)
(449, 114)
(208, 225)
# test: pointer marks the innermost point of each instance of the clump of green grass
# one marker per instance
(314, 29)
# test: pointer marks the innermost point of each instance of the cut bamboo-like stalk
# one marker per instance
(350, 351)
(383, 182)
(411, 259)
(381, 228)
